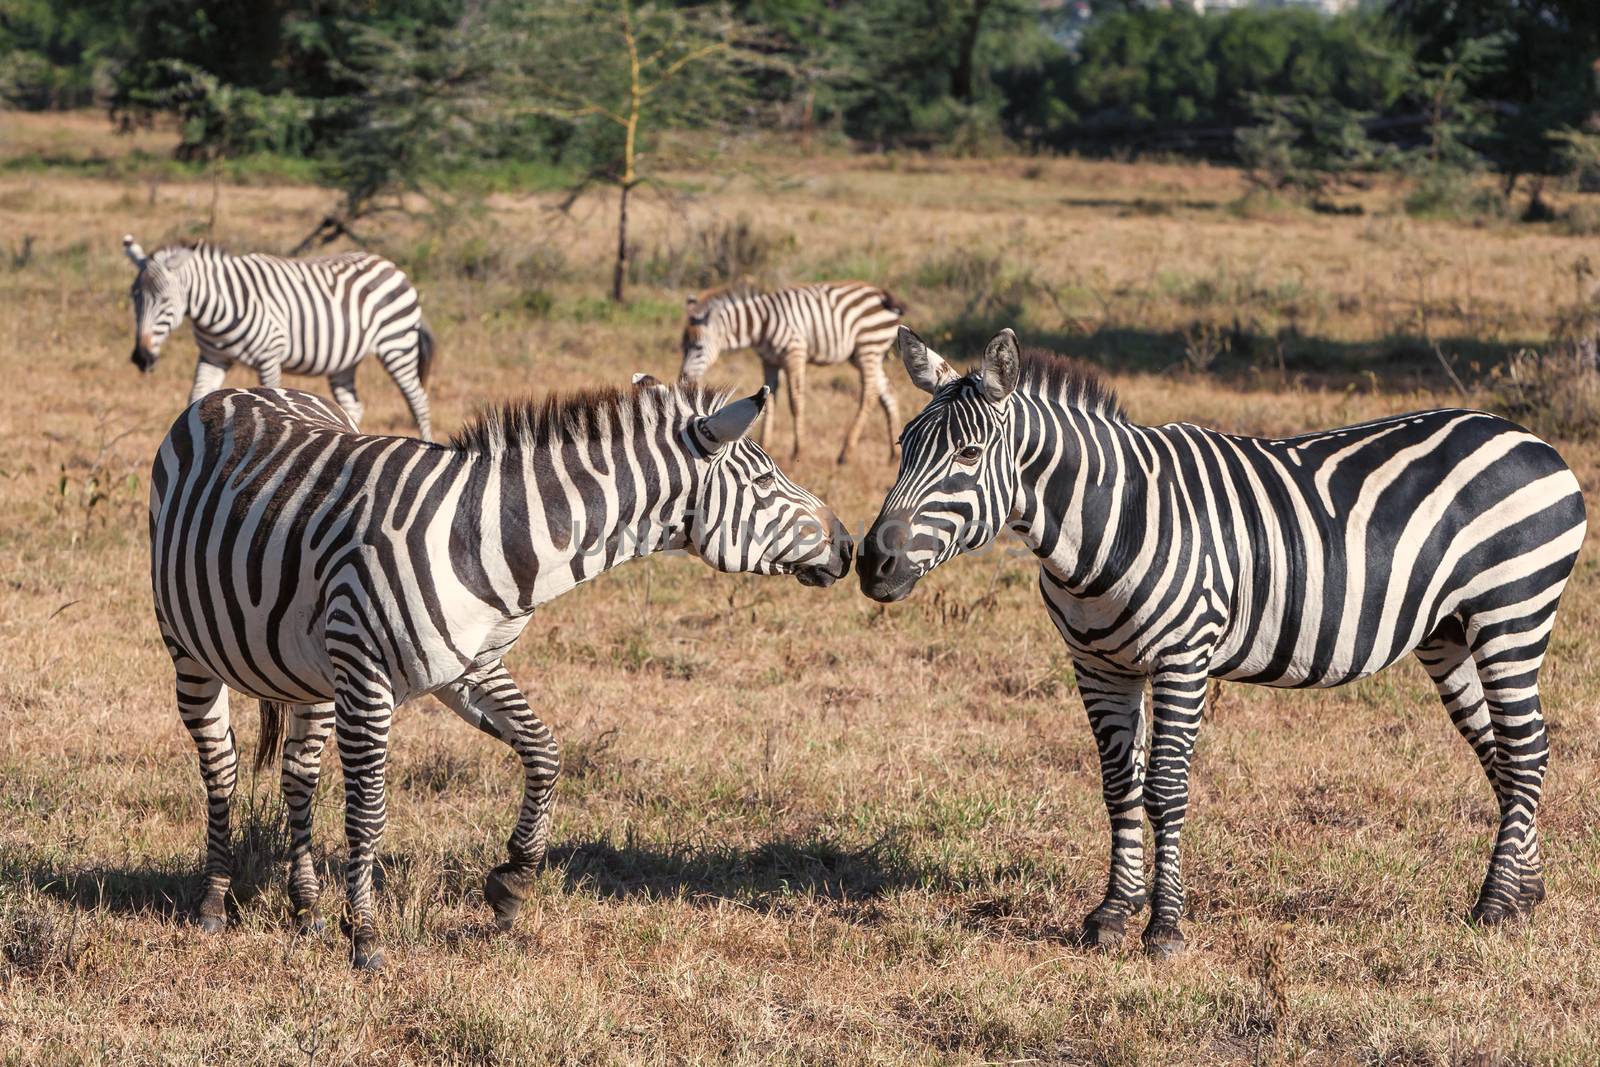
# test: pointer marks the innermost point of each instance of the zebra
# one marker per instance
(1175, 554)
(334, 575)
(826, 324)
(275, 315)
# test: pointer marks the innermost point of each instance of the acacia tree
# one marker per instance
(619, 73)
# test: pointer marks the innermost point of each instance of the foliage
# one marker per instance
(55, 54)
(615, 75)
(1140, 70)
(721, 252)
(1307, 145)
(1544, 80)
(1456, 122)
(216, 119)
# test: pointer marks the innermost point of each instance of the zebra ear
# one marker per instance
(131, 249)
(1001, 366)
(927, 368)
(728, 424)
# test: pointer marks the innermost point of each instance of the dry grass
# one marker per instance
(796, 826)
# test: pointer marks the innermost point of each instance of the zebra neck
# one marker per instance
(535, 522)
(741, 323)
(1084, 495)
(209, 275)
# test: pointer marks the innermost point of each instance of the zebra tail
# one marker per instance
(426, 353)
(272, 714)
(893, 303)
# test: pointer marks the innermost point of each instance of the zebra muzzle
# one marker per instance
(144, 359)
(886, 571)
(841, 548)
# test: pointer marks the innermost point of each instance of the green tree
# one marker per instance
(1543, 83)
(619, 74)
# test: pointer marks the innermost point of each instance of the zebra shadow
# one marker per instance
(170, 888)
(768, 877)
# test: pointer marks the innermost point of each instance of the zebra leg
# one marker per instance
(1508, 662)
(489, 699)
(401, 363)
(308, 730)
(203, 706)
(1179, 697)
(794, 366)
(208, 377)
(343, 385)
(891, 408)
(270, 372)
(770, 373)
(363, 711)
(1115, 704)
(853, 434)
(1448, 661)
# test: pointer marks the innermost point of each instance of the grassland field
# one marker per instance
(794, 826)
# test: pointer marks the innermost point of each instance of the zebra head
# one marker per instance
(957, 479)
(160, 296)
(748, 516)
(702, 340)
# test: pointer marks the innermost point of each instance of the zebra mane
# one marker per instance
(718, 294)
(1069, 381)
(164, 254)
(540, 422)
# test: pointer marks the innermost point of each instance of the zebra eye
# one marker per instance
(969, 454)
(765, 481)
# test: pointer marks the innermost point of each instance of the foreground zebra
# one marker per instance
(824, 324)
(302, 563)
(1173, 554)
(275, 315)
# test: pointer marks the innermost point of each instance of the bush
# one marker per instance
(964, 269)
(1581, 219)
(1556, 392)
(220, 120)
(1447, 193)
(721, 252)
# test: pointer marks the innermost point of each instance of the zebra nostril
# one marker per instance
(886, 563)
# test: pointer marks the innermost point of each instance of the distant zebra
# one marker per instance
(275, 315)
(302, 563)
(1173, 554)
(825, 324)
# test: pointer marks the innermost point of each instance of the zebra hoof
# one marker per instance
(1164, 943)
(505, 888)
(309, 924)
(369, 960)
(1102, 935)
(212, 924)
(1491, 914)
(365, 952)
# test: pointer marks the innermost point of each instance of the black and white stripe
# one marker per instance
(316, 317)
(302, 563)
(824, 324)
(1174, 554)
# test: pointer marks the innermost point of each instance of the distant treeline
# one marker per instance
(290, 76)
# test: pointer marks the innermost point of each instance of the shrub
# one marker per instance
(1556, 392)
(964, 269)
(1447, 193)
(720, 252)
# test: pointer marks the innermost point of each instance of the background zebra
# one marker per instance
(1175, 553)
(825, 324)
(275, 315)
(305, 564)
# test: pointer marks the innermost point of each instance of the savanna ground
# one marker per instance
(794, 826)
